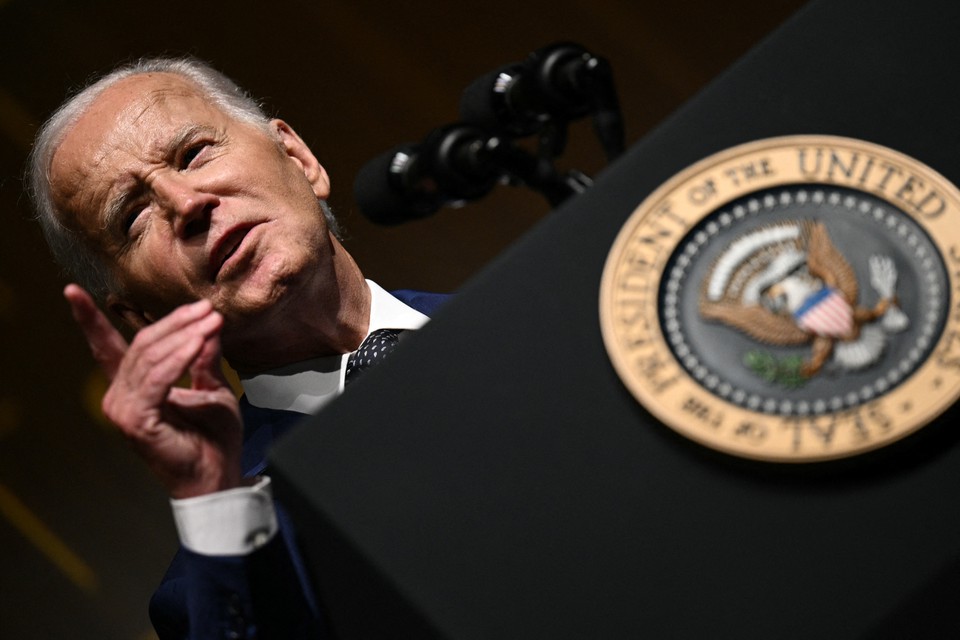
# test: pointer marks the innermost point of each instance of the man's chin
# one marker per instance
(250, 296)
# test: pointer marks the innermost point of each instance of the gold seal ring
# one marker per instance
(790, 299)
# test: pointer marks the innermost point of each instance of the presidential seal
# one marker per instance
(789, 299)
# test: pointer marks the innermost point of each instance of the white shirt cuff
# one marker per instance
(227, 523)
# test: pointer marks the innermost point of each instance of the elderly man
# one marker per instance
(202, 224)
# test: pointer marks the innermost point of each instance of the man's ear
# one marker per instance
(296, 148)
(131, 316)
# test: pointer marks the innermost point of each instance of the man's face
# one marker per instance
(187, 203)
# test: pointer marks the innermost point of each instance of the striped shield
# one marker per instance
(825, 313)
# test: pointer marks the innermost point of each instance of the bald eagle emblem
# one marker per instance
(787, 285)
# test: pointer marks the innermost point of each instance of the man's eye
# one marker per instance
(191, 154)
(131, 218)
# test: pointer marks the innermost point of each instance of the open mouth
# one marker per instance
(227, 246)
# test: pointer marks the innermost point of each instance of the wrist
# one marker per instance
(215, 482)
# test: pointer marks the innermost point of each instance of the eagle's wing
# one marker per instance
(757, 322)
(826, 262)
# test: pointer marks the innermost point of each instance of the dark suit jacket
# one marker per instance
(268, 593)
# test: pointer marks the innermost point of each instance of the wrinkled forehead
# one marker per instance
(124, 129)
(134, 111)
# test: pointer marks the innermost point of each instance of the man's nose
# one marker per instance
(188, 205)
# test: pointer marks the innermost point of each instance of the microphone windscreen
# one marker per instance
(382, 192)
(494, 101)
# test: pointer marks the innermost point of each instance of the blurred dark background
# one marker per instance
(84, 532)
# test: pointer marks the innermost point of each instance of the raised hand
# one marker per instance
(190, 437)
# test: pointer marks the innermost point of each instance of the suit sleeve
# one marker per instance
(265, 595)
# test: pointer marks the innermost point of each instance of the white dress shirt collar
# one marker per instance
(307, 386)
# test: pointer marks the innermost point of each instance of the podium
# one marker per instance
(495, 479)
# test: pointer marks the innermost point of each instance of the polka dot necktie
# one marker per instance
(372, 350)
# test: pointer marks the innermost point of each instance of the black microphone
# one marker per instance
(387, 188)
(451, 166)
(504, 100)
(556, 84)
(553, 83)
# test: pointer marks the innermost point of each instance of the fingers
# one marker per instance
(106, 343)
(163, 352)
(159, 339)
(143, 372)
(138, 396)
(189, 437)
(205, 369)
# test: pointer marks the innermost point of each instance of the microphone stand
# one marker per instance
(535, 173)
(466, 159)
(573, 82)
